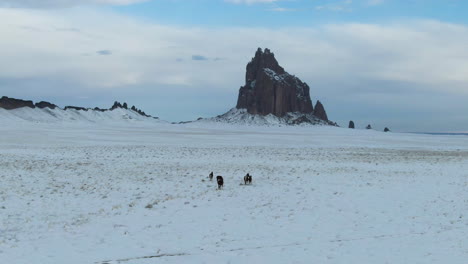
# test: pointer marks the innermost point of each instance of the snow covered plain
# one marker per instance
(138, 192)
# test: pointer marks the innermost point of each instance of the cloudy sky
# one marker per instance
(395, 63)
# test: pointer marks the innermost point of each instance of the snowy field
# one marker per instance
(138, 193)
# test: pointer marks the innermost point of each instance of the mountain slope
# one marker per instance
(243, 117)
(57, 115)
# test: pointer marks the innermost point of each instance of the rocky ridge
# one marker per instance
(13, 103)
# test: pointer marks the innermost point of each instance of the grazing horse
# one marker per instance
(247, 179)
(220, 181)
(211, 176)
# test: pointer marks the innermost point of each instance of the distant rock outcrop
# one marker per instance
(116, 105)
(75, 108)
(43, 104)
(12, 103)
(351, 125)
(100, 109)
(269, 89)
(386, 129)
(369, 127)
(125, 106)
(138, 111)
(320, 112)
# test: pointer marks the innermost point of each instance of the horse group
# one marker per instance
(220, 180)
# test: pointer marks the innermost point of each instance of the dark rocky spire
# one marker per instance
(262, 60)
(320, 112)
(269, 89)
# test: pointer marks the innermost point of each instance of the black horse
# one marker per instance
(220, 181)
(247, 179)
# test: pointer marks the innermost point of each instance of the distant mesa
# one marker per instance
(12, 103)
(76, 108)
(351, 125)
(43, 104)
(272, 93)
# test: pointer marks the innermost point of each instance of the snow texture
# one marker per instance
(26, 115)
(137, 193)
(242, 117)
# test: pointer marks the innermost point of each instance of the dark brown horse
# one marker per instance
(220, 181)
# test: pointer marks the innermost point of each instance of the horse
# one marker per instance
(220, 181)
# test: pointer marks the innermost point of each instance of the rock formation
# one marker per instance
(12, 103)
(43, 104)
(272, 96)
(138, 110)
(386, 129)
(100, 109)
(125, 106)
(269, 89)
(76, 108)
(351, 124)
(369, 127)
(116, 105)
(320, 112)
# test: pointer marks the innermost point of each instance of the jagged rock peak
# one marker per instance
(116, 105)
(262, 60)
(125, 106)
(320, 112)
(269, 89)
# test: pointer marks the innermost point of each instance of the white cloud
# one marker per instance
(63, 3)
(282, 9)
(34, 43)
(249, 2)
(341, 6)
